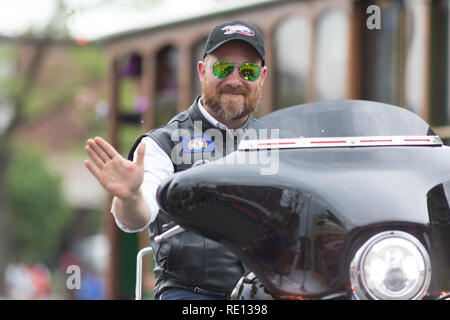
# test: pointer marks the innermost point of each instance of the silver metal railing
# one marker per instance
(148, 250)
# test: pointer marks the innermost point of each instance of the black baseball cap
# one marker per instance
(235, 30)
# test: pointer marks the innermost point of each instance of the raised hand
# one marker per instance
(119, 176)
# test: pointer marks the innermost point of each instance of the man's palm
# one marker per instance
(119, 176)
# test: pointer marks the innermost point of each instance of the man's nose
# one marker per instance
(235, 76)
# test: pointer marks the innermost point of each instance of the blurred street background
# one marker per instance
(74, 69)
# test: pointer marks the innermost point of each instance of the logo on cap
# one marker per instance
(238, 28)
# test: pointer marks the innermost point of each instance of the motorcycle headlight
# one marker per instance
(390, 265)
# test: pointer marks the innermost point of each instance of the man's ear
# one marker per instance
(201, 69)
(263, 75)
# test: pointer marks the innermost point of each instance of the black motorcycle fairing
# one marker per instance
(439, 226)
(298, 228)
(293, 229)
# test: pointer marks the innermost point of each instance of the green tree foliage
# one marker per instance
(92, 60)
(38, 205)
(59, 82)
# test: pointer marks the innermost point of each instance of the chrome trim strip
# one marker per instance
(372, 141)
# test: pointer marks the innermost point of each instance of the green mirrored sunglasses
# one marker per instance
(248, 71)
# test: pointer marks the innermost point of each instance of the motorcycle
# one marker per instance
(357, 208)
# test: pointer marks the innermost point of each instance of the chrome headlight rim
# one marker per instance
(360, 288)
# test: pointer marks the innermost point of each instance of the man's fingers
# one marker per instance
(98, 151)
(140, 154)
(99, 162)
(106, 147)
(92, 169)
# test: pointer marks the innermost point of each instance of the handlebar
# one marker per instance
(169, 233)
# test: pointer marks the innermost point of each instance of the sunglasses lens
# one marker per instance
(250, 71)
(222, 69)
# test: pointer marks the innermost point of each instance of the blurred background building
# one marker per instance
(127, 82)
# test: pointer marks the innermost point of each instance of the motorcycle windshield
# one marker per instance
(349, 118)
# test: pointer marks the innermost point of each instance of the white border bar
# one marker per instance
(298, 143)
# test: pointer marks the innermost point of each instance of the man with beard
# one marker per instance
(232, 74)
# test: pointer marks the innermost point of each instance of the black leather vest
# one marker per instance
(189, 260)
